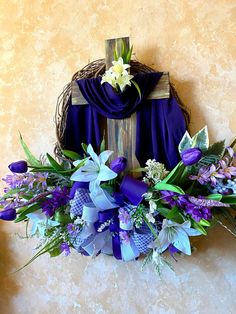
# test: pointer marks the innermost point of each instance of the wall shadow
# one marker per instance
(185, 89)
(8, 284)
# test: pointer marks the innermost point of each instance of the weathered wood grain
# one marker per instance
(111, 45)
(162, 90)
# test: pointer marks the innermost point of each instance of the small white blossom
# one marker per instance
(79, 221)
(150, 218)
(152, 206)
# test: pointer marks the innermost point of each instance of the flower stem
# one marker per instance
(150, 226)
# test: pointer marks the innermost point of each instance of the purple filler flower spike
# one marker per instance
(206, 202)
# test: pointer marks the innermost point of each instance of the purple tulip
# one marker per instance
(191, 156)
(8, 214)
(18, 166)
(119, 164)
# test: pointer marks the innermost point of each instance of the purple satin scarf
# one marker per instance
(160, 122)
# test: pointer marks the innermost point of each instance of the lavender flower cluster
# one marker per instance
(59, 197)
(28, 180)
(215, 175)
(197, 212)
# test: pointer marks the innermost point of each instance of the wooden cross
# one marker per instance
(121, 134)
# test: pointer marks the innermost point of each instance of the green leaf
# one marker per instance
(216, 149)
(72, 155)
(62, 218)
(85, 147)
(186, 142)
(33, 161)
(204, 223)
(229, 199)
(123, 50)
(233, 143)
(199, 227)
(55, 252)
(54, 163)
(201, 139)
(175, 173)
(215, 197)
(103, 144)
(10, 193)
(27, 211)
(137, 87)
(115, 52)
(163, 211)
(168, 187)
(173, 212)
(129, 54)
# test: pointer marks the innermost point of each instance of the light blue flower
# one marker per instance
(40, 223)
(94, 171)
(176, 234)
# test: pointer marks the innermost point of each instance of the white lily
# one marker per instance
(119, 67)
(94, 171)
(109, 77)
(40, 222)
(176, 234)
(123, 81)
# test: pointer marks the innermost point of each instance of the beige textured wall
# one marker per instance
(42, 44)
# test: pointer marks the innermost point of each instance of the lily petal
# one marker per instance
(182, 242)
(104, 156)
(106, 173)
(84, 176)
(94, 156)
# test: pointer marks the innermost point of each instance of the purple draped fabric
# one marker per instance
(160, 122)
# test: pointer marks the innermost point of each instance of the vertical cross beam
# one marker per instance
(121, 134)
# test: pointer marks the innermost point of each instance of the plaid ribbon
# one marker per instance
(76, 204)
(142, 237)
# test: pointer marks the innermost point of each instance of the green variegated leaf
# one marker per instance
(206, 161)
(185, 143)
(216, 149)
(201, 139)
